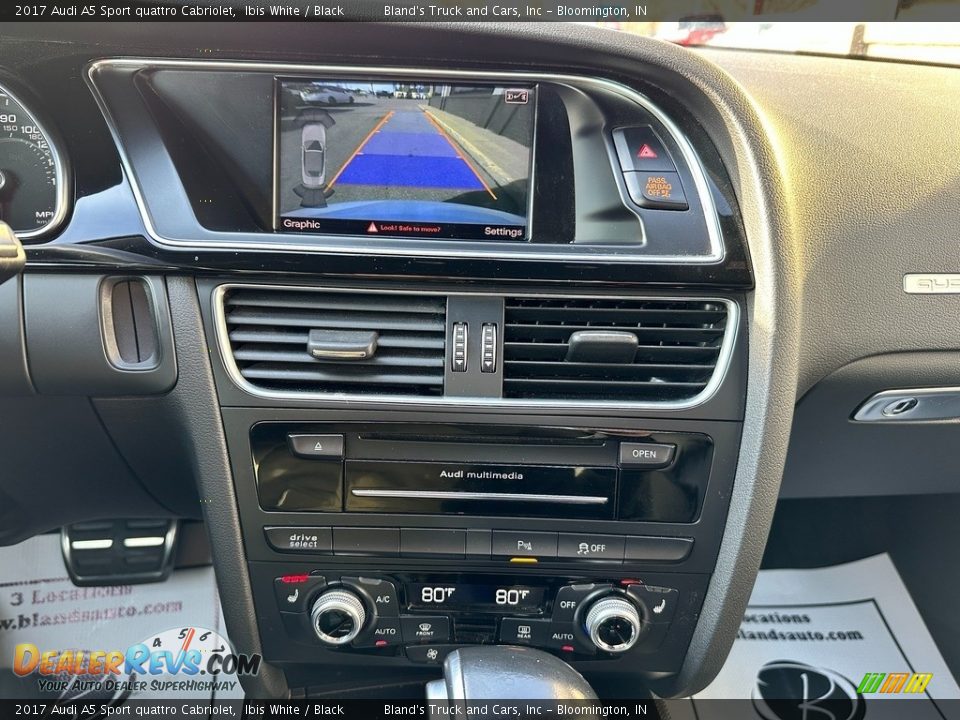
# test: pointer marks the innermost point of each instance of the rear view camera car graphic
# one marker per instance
(313, 190)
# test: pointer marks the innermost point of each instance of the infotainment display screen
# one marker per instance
(420, 159)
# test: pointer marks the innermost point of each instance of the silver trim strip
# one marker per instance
(295, 243)
(727, 345)
(104, 544)
(63, 191)
(137, 542)
(487, 496)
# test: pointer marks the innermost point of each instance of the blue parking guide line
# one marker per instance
(409, 151)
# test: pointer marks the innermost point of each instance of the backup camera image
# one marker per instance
(408, 159)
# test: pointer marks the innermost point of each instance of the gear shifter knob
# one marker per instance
(507, 673)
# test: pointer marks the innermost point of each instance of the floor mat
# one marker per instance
(40, 607)
(846, 633)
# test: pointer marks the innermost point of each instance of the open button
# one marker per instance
(646, 455)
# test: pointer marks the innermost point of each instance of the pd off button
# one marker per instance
(524, 544)
(646, 455)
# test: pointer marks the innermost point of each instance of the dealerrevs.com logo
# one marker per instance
(179, 659)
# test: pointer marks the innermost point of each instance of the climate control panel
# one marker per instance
(424, 616)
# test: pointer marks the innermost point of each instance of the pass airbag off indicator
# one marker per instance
(659, 190)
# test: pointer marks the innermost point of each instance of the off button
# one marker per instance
(646, 455)
(575, 546)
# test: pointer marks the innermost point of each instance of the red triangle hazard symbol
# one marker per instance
(646, 152)
(372, 228)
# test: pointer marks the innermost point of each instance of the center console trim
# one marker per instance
(724, 358)
(436, 248)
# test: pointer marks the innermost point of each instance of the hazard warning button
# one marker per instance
(640, 149)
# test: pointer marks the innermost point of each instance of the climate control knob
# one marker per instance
(613, 624)
(337, 617)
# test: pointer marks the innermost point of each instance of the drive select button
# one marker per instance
(299, 539)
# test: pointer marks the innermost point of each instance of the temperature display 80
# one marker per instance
(475, 597)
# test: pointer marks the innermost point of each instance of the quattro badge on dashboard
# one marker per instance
(931, 283)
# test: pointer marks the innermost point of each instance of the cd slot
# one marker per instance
(485, 496)
(481, 489)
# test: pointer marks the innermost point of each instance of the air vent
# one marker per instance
(277, 335)
(582, 349)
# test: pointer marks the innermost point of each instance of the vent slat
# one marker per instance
(339, 375)
(589, 371)
(646, 336)
(679, 343)
(338, 320)
(406, 359)
(645, 353)
(269, 329)
(617, 316)
(359, 302)
(426, 341)
(601, 382)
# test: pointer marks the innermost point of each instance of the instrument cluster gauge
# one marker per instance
(33, 179)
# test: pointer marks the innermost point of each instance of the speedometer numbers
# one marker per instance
(32, 197)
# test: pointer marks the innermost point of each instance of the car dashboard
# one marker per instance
(465, 335)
